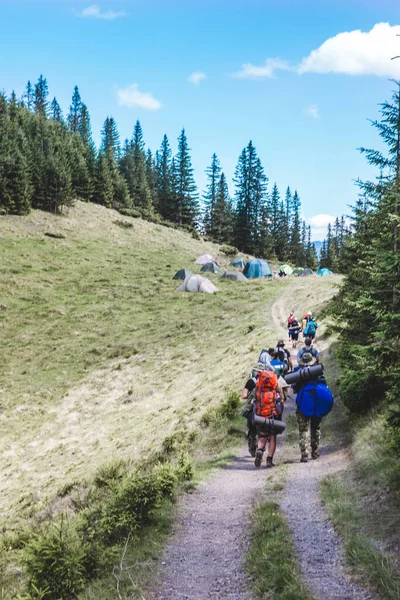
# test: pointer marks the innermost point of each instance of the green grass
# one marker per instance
(271, 560)
(362, 501)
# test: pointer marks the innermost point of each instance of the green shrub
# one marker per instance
(360, 390)
(56, 562)
(229, 408)
(229, 250)
(109, 474)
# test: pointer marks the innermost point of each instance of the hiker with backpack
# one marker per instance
(294, 330)
(249, 394)
(310, 330)
(266, 407)
(307, 354)
(284, 355)
(289, 324)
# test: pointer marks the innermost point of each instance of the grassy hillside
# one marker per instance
(101, 357)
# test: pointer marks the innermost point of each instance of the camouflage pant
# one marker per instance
(304, 424)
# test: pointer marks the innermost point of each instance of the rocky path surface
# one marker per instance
(204, 559)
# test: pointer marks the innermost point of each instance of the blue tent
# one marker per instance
(238, 263)
(257, 268)
(324, 272)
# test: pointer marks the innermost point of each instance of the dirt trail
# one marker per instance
(204, 558)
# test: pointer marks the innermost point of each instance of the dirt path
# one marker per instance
(204, 558)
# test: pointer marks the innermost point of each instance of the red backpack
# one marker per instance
(266, 394)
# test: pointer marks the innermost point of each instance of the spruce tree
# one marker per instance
(296, 250)
(186, 190)
(223, 217)
(210, 195)
(41, 93)
(75, 111)
(55, 111)
(29, 96)
(164, 181)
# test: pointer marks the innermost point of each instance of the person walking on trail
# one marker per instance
(284, 355)
(307, 355)
(309, 433)
(289, 324)
(266, 406)
(310, 330)
(249, 394)
(265, 358)
(294, 330)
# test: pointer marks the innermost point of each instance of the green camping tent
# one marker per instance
(298, 270)
(286, 269)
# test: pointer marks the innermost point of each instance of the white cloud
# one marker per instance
(95, 12)
(357, 53)
(312, 111)
(196, 77)
(133, 98)
(319, 224)
(268, 69)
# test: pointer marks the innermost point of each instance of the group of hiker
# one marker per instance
(267, 389)
(307, 326)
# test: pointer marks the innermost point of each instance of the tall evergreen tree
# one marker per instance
(210, 195)
(29, 96)
(41, 93)
(55, 111)
(186, 190)
(75, 111)
(164, 181)
(223, 217)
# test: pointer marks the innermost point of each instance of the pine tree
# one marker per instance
(186, 190)
(311, 260)
(40, 101)
(56, 112)
(151, 176)
(110, 139)
(75, 111)
(29, 95)
(104, 190)
(223, 217)
(210, 195)
(164, 181)
(139, 187)
(296, 250)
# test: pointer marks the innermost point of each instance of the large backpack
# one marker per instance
(306, 356)
(314, 399)
(266, 394)
(310, 328)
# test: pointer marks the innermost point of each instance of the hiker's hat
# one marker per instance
(259, 367)
(309, 313)
(280, 343)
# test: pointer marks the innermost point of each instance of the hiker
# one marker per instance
(307, 354)
(294, 330)
(265, 359)
(289, 324)
(310, 330)
(305, 319)
(314, 400)
(266, 406)
(284, 355)
(249, 394)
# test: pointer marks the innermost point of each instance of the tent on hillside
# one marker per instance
(324, 272)
(182, 274)
(234, 276)
(257, 268)
(211, 267)
(197, 283)
(238, 262)
(286, 269)
(306, 272)
(298, 270)
(204, 259)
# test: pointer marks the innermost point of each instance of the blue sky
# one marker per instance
(282, 73)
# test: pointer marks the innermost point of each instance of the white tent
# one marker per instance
(204, 259)
(197, 283)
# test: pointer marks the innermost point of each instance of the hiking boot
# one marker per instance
(259, 455)
(304, 458)
(314, 454)
(269, 462)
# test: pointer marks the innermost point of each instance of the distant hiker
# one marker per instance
(310, 330)
(294, 330)
(284, 355)
(266, 406)
(307, 355)
(249, 394)
(289, 323)
(314, 400)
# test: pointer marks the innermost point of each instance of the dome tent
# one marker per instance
(306, 272)
(257, 268)
(182, 274)
(204, 259)
(211, 267)
(324, 272)
(298, 270)
(286, 269)
(238, 262)
(197, 283)
(234, 276)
